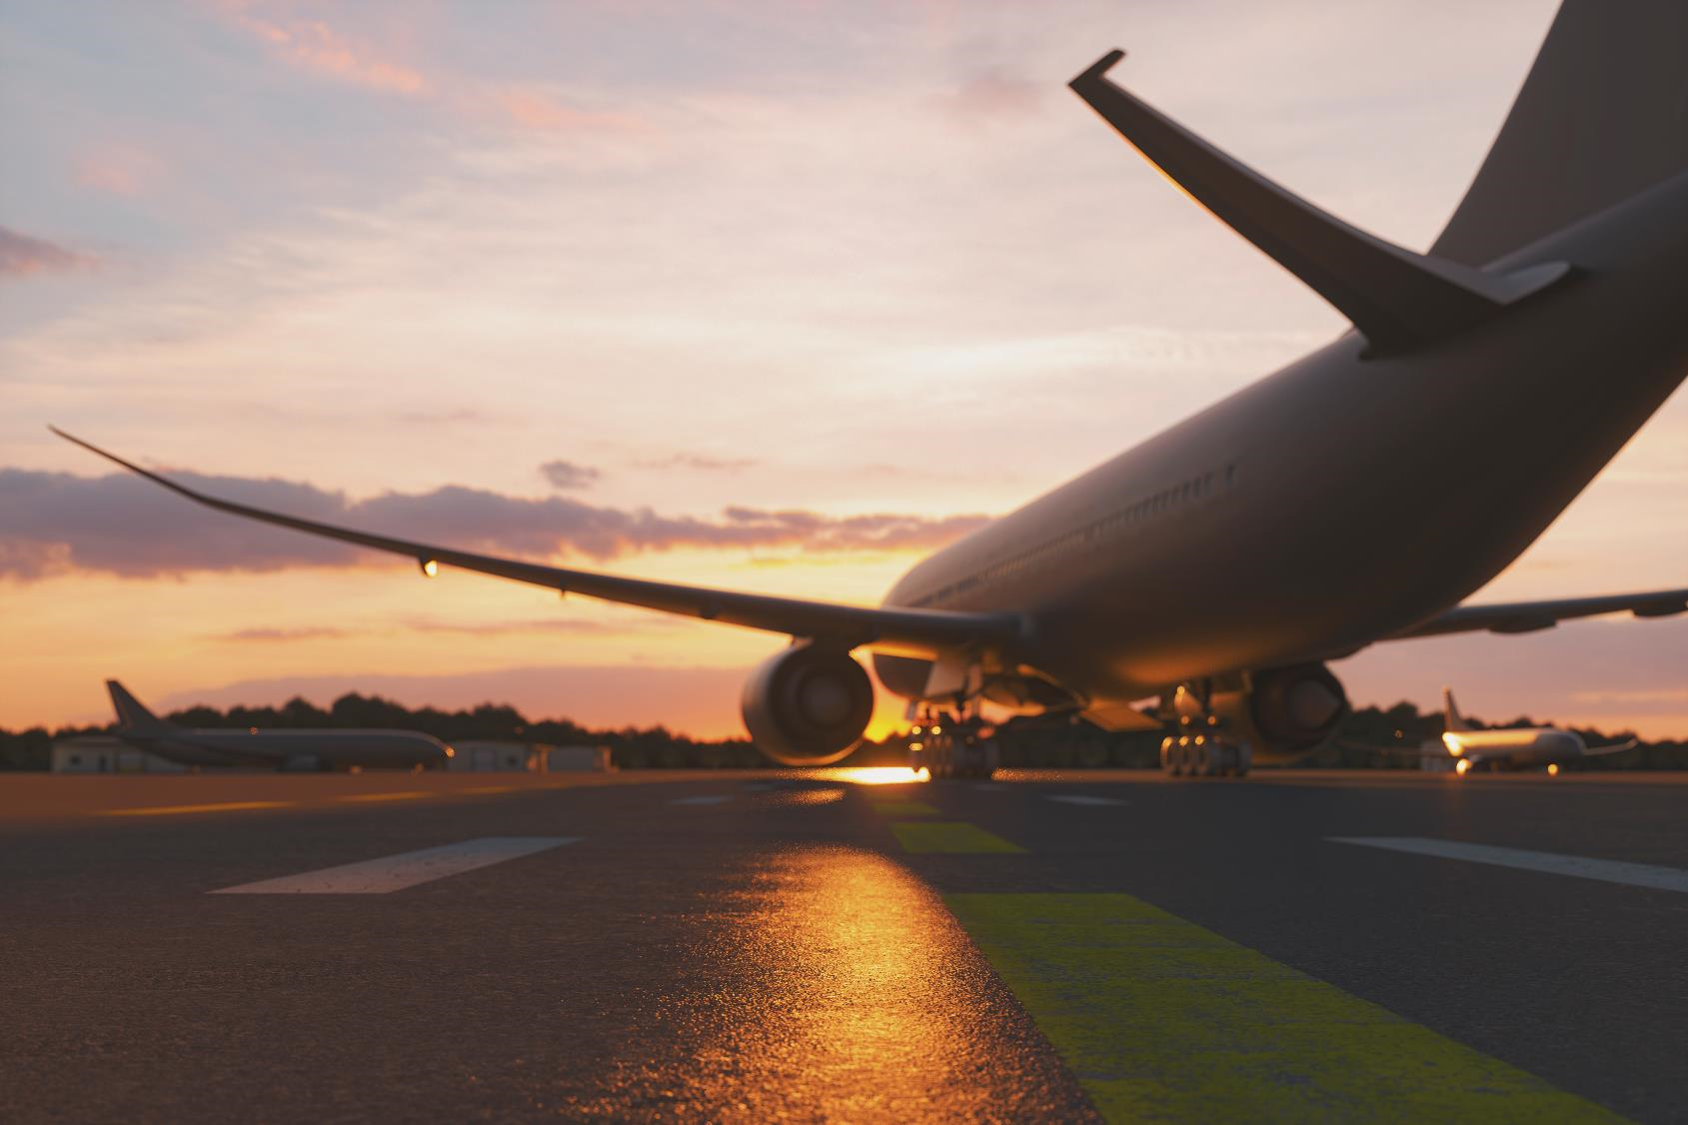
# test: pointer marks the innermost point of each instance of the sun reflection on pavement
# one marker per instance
(858, 998)
(872, 775)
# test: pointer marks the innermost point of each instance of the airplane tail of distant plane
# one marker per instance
(132, 714)
(1451, 718)
(1602, 115)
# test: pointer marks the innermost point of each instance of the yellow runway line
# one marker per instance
(408, 795)
(903, 808)
(1165, 1021)
(950, 838)
(173, 810)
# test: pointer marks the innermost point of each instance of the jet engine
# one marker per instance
(808, 706)
(1285, 710)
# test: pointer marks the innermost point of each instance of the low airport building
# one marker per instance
(527, 757)
(100, 753)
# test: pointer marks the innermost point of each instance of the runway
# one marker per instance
(743, 947)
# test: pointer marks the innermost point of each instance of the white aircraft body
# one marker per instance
(1355, 496)
(277, 747)
(1515, 748)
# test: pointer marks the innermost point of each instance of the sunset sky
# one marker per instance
(773, 297)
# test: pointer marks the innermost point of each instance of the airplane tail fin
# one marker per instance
(132, 714)
(1602, 115)
(1451, 718)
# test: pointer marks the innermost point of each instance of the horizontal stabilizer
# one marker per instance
(1398, 299)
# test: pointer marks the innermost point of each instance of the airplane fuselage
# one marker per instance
(1520, 748)
(321, 749)
(1344, 498)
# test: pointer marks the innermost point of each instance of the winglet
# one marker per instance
(1399, 300)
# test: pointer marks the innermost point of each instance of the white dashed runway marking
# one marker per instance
(1076, 799)
(715, 799)
(1606, 870)
(396, 872)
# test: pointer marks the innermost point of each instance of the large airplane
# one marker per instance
(1512, 747)
(278, 748)
(1353, 497)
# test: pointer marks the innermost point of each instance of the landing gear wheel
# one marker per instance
(1169, 757)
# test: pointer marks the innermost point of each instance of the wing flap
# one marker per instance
(915, 632)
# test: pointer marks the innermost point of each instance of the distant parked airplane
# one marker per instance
(1515, 748)
(1353, 497)
(282, 748)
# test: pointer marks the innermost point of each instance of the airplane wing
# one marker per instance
(1614, 748)
(916, 632)
(1527, 617)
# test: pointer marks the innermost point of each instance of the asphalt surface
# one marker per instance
(756, 947)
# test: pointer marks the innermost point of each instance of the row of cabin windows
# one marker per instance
(1166, 500)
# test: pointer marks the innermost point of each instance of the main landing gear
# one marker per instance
(946, 746)
(1202, 748)
(1204, 755)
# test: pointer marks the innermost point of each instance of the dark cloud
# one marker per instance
(267, 636)
(21, 255)
(567, 475)
(561, 625)
(121, 524)
(555, 625)
(699, 462)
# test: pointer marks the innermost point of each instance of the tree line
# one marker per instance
(1043, 741)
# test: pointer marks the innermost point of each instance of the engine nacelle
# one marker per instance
(808, 706)
(1285, 710)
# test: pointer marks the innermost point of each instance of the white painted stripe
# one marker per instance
(396, 872)
(1606, 870)
(1076, 799)
(711, 800)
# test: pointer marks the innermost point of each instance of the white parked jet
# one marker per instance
(1355, 496)
(1516, 748)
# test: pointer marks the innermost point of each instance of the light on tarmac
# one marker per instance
(873, 775)
(1553, 769)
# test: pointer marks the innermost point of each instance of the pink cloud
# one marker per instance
(993, 95)
(119, 170)
(21, 255)
(534, 110)
(313, 45)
